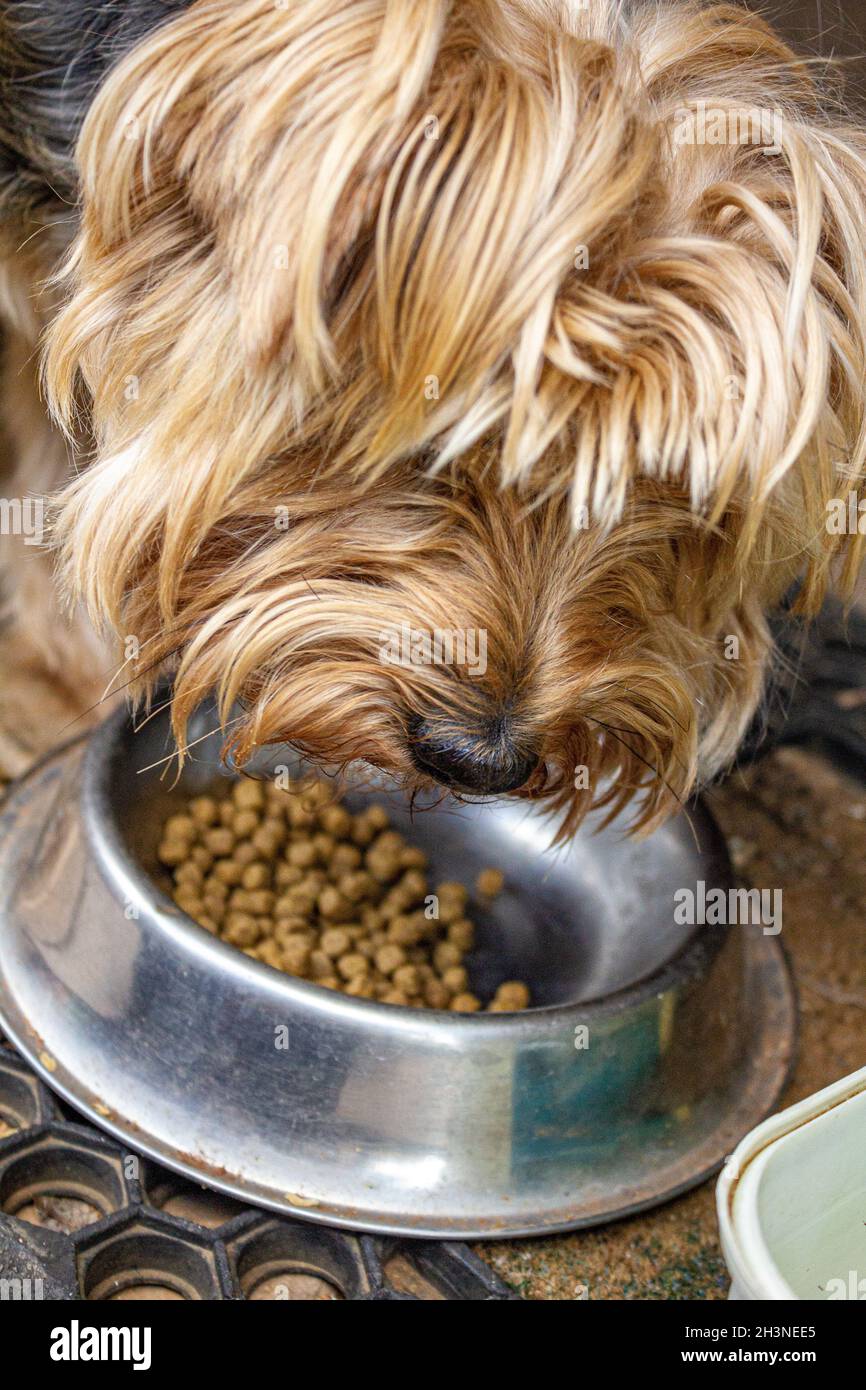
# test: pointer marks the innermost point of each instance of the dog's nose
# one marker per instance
(486, 762)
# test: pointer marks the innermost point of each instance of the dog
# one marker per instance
(456, 389)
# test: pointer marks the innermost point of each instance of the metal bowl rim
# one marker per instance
(692, 960)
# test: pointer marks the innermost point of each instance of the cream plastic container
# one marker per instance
(791, 1200)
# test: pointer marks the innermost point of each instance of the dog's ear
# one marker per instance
(615, 247)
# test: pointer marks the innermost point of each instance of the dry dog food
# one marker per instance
(293, 879)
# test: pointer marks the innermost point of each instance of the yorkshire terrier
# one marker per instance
(456, 388)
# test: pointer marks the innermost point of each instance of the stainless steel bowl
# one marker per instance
(653, 1048)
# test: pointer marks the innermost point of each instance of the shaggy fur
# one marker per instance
(402, 311)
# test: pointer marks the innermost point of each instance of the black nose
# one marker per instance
(487, 761)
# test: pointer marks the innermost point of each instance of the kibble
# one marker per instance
(490, 882)
(510, 996)
(291, 878)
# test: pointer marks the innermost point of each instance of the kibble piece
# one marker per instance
(286, 927)
(299, 818)
(453, 890)
(408, 978)
(320, 964)
(261, 901)
(314, 881)
(266, 840)
(188, 872)
(335, 942)
(403, 931)
(204, 810)
(345, 858)
(383, 864)
(270, 953)
(490, 882)
(220, 841)
(389, 958)
(333, 906)
(456, 978)
(275, 803)
(436, 995)
(363, 832)
(446, 954)
(201, 856)
(394, 996)
(180, 828)
(214, 907)
(465, 1004)
(389, 841)
(316, 792)
(245, 853)
(462, 934)
(302, 854)
(356, 886)
(256, 875)
(188, 899)
(378, 817)
(413, 885)
(413, 858)
(173, 852)
(509, 997)
(244, 823)
(324, 846)
(287, 875)
(352, 965)
(336, 821)
(248, 795)
(241, 929)
(450, 910)
(361, 988)
(295, 902)
(295, 955)
(228, 871)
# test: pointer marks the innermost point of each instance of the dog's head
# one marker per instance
(466, 380)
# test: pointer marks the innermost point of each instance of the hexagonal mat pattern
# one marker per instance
(81, 1217)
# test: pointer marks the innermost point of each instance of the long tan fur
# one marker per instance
(443, 314)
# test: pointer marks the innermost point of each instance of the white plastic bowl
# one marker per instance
(791, 1200)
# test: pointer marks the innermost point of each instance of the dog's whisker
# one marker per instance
(160, 762)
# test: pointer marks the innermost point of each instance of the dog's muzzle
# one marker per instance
(486, 761)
